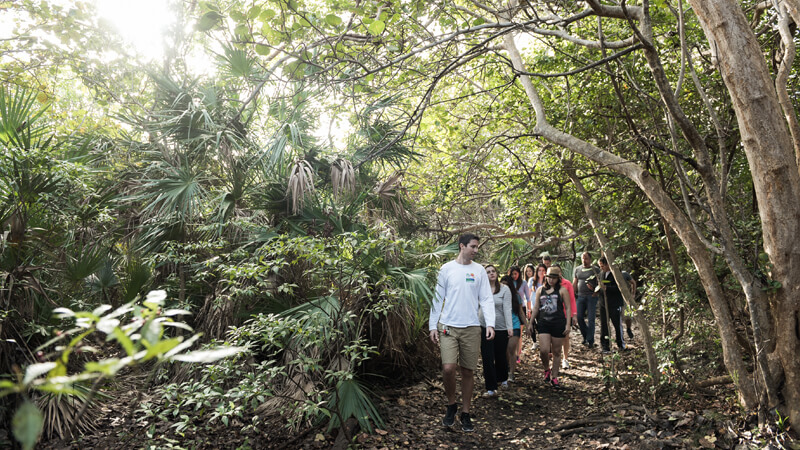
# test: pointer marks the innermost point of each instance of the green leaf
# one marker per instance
(161, 348)
(478, 21)
(124, 341)
(241, 30)
(27, 425)
(267, 14)
(34, 371)
(151, 332)
(263, 50)
(208, 21)
(155, 298)
(333, 19)
(377, 27)
(253, 12)
(209, 356)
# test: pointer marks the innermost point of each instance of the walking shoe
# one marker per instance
(450, 416)
(630, 333)
(565, 363)
(466, 422)
(504, 385)
(547, 375)
(487, 394)
(606, 351)
(519, 360)
(556, 384)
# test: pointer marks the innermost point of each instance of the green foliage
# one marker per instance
(142, 337)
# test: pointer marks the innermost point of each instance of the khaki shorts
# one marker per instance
(460, 345)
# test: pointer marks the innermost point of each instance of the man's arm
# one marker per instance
(486, 300)
(436, 307)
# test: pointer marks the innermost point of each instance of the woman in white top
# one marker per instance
(493, 353)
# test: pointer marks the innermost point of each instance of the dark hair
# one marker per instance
(496, 284)
(466, 238)
(515, 303)
(546, 258)
(537, 272)
(603, 260)
(557, 284)
(518, 283)
(525, 270)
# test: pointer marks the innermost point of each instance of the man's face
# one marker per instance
(546, 262)
(471, 250)
(604, 267)
(587, 260)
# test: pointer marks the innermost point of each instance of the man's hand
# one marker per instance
(489, 333)
(435, 336)
(566, 330)
(510, 333)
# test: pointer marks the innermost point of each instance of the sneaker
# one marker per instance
(547, 375)
(630, 333)
(565, 363)
(606, 351)
(556, 384)
(504, 385)
(487, 394)
(450, 416)
(519, 360)
(466, 422)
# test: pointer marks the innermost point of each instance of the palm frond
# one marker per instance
(300, 185)
(352, 399)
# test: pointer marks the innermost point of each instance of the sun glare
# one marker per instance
(142, 23)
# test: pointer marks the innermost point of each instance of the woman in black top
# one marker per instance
(551, 311)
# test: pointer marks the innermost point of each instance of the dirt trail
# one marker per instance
(533, 414)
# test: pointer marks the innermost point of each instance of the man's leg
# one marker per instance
(616, 318)
(581, 305)
(628, 325)
(604, 338)
(488, 356)
(449, 379)
(467, 386)
(591, 312)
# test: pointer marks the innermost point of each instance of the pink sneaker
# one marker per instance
(556, 384)
(547, 376)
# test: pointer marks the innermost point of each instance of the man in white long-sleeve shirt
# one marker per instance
(462, 287)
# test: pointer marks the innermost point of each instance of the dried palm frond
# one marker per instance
(301, 183)
(61, 410)
(388, 194)
(343, 177)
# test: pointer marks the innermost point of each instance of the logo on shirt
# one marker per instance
(470, 277)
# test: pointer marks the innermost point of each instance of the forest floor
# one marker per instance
(598, 407)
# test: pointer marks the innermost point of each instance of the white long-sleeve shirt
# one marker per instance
(460, 290)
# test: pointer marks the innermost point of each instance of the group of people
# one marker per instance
(477, 312)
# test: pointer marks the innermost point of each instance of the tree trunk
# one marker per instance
(652, 361)
(774, 168)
